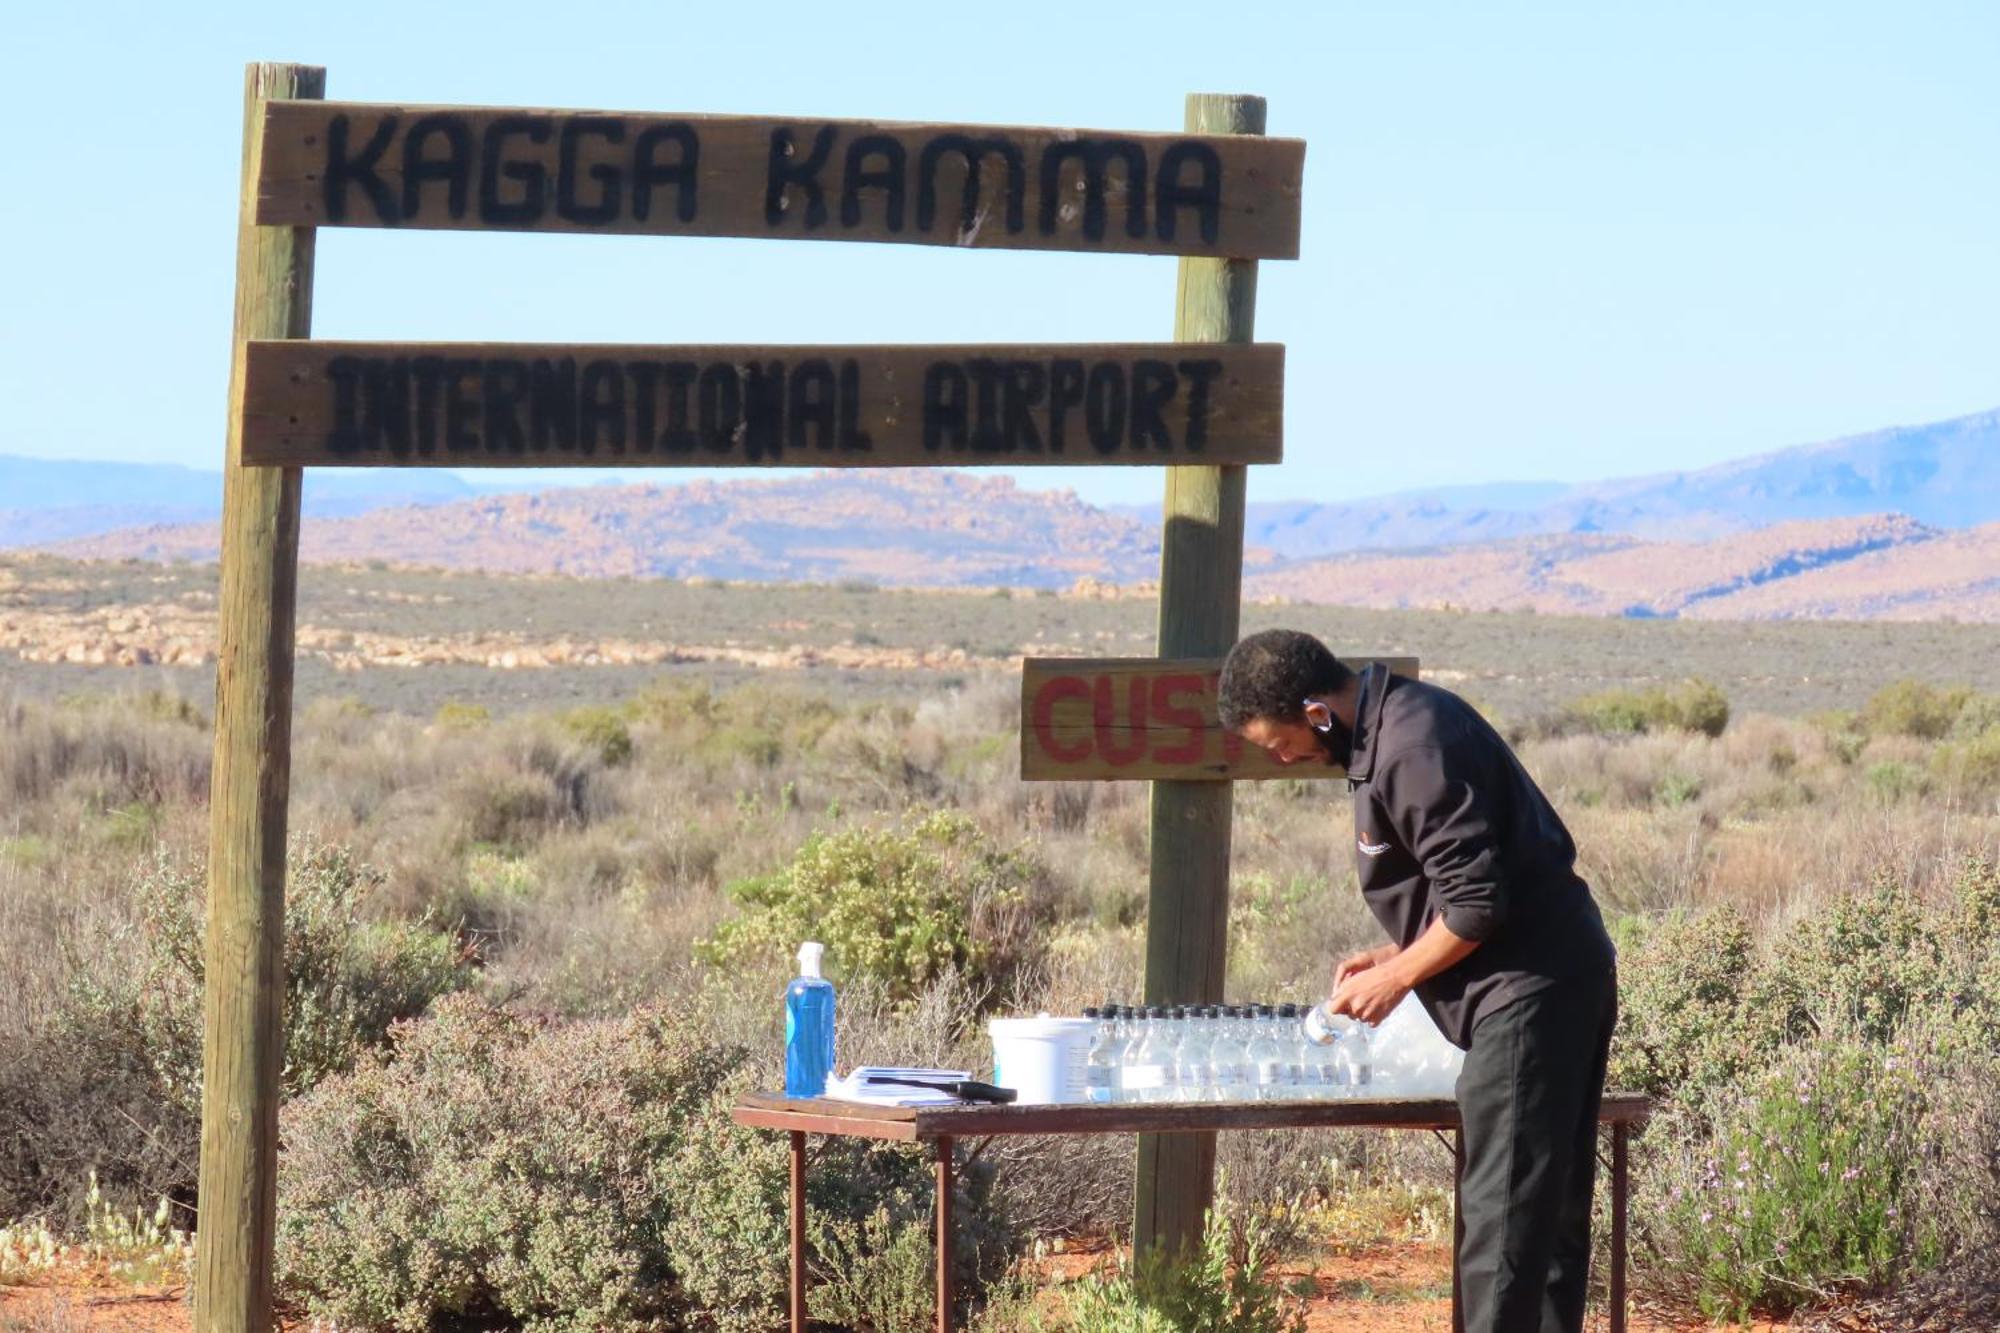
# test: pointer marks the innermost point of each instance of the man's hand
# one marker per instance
(1361, 962)
(1368, 993)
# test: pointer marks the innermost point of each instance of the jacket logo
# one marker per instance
(1370, 848)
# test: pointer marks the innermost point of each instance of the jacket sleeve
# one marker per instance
(1441, 803)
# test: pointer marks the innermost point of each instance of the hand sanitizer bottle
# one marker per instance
(808, 1026)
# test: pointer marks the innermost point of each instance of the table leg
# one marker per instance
(1457, 1229)
(944, 1191)
(798, 1293)
(1620, 1184)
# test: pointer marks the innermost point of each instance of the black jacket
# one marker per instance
(1447, 823)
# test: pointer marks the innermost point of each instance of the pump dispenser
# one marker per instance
(808, 1026)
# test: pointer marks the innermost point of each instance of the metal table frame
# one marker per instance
(942, 1126)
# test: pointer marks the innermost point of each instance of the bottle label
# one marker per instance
(1143, 1078)
(1271, 1073)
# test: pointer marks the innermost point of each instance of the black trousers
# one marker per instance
(1529, 1096)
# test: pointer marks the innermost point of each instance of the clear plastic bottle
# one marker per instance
(1196, 1078)
(1143, 1078)
(1321, 1062)
(1100, 1069)
(1225, 1055)
(1350, 1042)
(1291, 1048)
(1174, 1032)
(808, 1026)
(1267, 1063)
(1356, 1059)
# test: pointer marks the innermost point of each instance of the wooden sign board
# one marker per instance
(1089, 718)
(502, 404)
(344, 164)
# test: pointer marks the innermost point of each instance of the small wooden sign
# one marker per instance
(345, 164)
(503, 404)
(1088, 718)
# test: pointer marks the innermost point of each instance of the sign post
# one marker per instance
(250, 786)
(1201, 582)
(1220, 195)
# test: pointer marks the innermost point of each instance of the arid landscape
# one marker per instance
(557, 835)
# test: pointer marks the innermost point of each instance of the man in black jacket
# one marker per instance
(1472, 875)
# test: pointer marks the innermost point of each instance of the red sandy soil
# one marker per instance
(1394, 1288)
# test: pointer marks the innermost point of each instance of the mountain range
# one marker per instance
(1897, 523)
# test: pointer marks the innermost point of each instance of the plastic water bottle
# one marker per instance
(1291, 1048)
(1320, 1063)
(1143, 1080)
(1266, 1062)
(808, 1026)
(1175, 1032)
(1196, 1076)
(1101, 1065)
(1350, 1041)
(1226, 1054)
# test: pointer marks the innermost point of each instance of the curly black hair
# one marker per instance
(1271, 673)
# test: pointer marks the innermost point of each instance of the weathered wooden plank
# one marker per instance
(1086, 718)
(596, 405)
(824, 1115)
(243, 991)
(489, 168)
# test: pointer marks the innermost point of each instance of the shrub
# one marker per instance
(1972, 764)
(899, 908)
(1913, 708)
(1894, 780)
(1810, 1183)
(493, 1168)
(867, 1205)
(455, 715)
(1684, 1018)
(1979, 717)
(112, 1081)
(601, 731)
(1864, 964)
(1695, 705)
(1225, 1286)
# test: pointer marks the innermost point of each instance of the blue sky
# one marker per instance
(1541, 240)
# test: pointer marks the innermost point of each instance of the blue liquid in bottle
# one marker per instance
(808, 1026)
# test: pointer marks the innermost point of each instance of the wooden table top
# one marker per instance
(913, 1124)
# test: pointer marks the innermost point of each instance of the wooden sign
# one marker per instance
(502, 404)
(344, 164)
(1139, 717)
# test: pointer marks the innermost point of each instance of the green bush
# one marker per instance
(1225, 1286)
(900, 908)
(602, 731)
(1893, 780)
(1695, 705)
(347, 977)
(1864, 964)
(1810, 1183)
(490, 1168)
(111, 1082)
(1913, 708)
(1972, 764)
(1686, 1027)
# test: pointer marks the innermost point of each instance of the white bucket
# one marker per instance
(1043, 1059)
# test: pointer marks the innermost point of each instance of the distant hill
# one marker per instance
(913, 528)
(48, 500)
(1898, 524)
(1946, 474)
(1885, 567)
